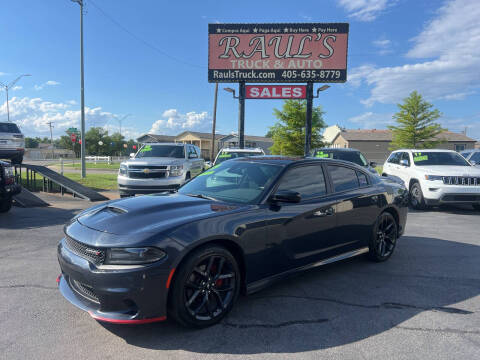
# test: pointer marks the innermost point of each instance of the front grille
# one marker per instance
(84, 290)
(461, 180)
(95, 255)
(142, 175)
(461, 198)
(141, 167)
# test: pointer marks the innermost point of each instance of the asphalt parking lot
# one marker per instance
(423, 303)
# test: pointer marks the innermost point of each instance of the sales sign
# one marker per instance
(307, 52)
(275, 91)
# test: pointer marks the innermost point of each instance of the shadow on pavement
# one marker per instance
(28, 218)
(335, 305)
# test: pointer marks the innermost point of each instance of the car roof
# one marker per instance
(233, 149)
(425, 150)
(169, 143)
(337, 149)
(289, 160)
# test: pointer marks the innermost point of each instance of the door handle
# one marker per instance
(324, 212)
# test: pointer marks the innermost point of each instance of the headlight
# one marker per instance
(433, 177)
(176, 170)
(9, 172)
(123, 170)
(133, 256)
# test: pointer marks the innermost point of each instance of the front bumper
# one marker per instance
(124, 295)
(147, 186)
(436, 193)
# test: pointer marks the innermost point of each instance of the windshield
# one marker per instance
(475, 157)
(352, 156)
(9, 128)
(227, 155)
(439, 158)
(233, 181)
(171, 151)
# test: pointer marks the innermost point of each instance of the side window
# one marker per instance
(405, 156)
(343, 178)
(362, 179)
(198, 151)
(191, 150)
(307, 180)
(394, 158)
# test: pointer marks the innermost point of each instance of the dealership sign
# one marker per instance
(308, 52)
(275, 91)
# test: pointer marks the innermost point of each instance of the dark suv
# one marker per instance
(8, 186)
(346, 154)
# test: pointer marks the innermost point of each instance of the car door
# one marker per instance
(392, 165)
(356, 202)
(192, 158)
(302, 232)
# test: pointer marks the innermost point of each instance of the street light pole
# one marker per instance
(308, 117)
(120, 122)
(82, 95)
(214, 124)
(241, 115)
(7, 87)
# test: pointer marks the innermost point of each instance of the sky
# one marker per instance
(146, 63)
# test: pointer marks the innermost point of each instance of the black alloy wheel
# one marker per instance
(205, 287)
(416, 197)
(384, 238)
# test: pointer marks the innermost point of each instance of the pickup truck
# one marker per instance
(159, 167)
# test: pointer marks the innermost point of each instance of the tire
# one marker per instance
(187, 176)
(205, 287)
(6, 204)
(384, 238)
(122, 196)
(416, 197)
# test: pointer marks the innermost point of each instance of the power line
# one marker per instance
(138, 38)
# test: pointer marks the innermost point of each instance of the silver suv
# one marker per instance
(12, 142)
(159, 167)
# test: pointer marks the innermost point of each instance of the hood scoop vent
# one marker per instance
(116, 209)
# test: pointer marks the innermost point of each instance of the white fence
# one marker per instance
(95, 159)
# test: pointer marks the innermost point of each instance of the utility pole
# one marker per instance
(241, 115)
(308, 115)
(82, 95)
(214, 124)
(7, 87)
(50, 124)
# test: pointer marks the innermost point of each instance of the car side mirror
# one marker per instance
(404, 162)
(132, 155)
(373, 164)
(287, 196)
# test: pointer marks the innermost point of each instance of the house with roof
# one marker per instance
(374, 144)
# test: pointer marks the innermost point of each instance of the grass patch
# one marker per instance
(77, 165)
(96, 182)
(379, 169)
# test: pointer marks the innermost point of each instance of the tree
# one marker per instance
(31, 143)
(288, 133)
(93, 137)
(416, 127)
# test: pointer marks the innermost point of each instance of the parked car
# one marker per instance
(435, 177)
(12, 142)
(239, 226)
(233, 153)
(8, 187)
(472, 155)
(159, 167)
(346, 154)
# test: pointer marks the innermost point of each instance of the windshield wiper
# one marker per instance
(200, 196)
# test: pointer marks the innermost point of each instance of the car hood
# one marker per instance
(159, 161)
(150, 214)
(447, 170)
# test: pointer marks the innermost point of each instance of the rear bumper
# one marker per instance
(11, 153)
(121, 295)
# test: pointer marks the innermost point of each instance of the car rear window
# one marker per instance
(9, 128)
(228, 155)
(353, 156)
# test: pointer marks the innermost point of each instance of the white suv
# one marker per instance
(435, 177)
(232, 153)
(159, 167)
(12, 142)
